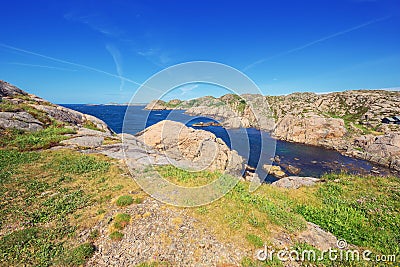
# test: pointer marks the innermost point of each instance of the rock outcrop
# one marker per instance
(190, 148)
(311, 129)
(19, 120)
(295, 182)
(384, 149)
(339, 120)
(317, 237)
(24, 111)
(9, 90)
(274, 170)
(156, 105)
(230, 110)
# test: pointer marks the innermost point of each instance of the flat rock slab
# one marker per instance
(19, 120)
(85, 141)
(295, 182)
(90, 132)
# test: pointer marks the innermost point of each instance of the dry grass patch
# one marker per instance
(50, 196)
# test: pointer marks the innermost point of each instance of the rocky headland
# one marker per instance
(23, 111)
(349, 122)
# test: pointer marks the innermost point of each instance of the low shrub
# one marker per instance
(123, 201)
(116, 236)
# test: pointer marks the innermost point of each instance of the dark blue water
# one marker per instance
(254, 145)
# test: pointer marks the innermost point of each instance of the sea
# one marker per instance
(257, 147)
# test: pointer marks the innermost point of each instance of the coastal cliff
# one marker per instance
(349, 122)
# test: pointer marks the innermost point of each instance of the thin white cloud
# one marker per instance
(39, 66)
(74, 64)
(116, 55)
(316, 41)
(147, 53)
(187, 88)
(157, 56)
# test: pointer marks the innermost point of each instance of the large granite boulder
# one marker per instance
(190, 148)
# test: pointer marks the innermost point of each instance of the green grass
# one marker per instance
(45, 204)
(279, 211)
(79, 255)
(59, 206)
(138, 200)
(186, 178)
(353, 119)
(27, 141)
(123, 201)
(7, 106)
(80, 165)
(9, 161)
(235, 101)
(90, 125)
(34, 246)
(362, 210)
(255, 240)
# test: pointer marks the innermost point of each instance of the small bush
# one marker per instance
(138, 200)
(124, 201)
(122, 217)
(94, 234)
(121, 220)
(79, 255)
(100, 211)
(116, 236)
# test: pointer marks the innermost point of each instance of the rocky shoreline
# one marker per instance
(348, 122)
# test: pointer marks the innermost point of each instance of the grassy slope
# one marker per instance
(362, 210)
(49, 197)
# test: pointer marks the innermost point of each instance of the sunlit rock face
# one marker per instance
(190, 148)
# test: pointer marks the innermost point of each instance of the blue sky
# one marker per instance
(101, 51)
